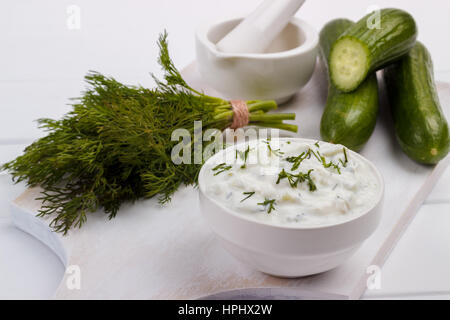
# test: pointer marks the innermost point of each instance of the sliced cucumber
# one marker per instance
(350, 63)
(362, 49)
(349, 118)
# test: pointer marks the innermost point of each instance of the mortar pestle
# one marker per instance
(278, 73)
(255, 33)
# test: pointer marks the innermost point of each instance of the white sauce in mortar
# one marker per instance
(339, 187)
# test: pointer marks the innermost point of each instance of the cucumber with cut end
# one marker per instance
(420, 125)
(349, 118)
(364, 48)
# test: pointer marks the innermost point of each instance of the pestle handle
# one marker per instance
(257, 31)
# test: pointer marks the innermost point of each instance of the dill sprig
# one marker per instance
(345, 161)
(276, 152)
(221, 168)
(243, 155)
(297, 160)
(295, 178)
(285, 175)
(269, 204)
(114, 146)
(302, 177)
(324, 162)
(248, 194)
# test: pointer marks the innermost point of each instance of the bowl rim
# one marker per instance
(311, 41)
(244, 218)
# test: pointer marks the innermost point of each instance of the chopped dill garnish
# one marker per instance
(307, 177)
(295, 179)
(291, 178)
(269, 204)
(316, 155)
(245, 157)
(276, 152)
(297, 160)
(345, 161)
(241, 154)
(325, 163)
(248, 195)
(221, 168)
(317, 144)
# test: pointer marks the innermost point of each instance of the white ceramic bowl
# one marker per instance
(288, 251)
(277, 75)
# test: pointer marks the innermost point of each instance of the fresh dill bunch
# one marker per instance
(114, 146)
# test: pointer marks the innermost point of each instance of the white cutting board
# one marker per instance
(152, 252)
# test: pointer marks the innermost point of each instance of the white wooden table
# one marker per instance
(45, 56)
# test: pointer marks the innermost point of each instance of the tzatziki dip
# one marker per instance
(292, 182)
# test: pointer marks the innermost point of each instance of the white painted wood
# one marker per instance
(420, 262)
(28, 268)
(8, 190)
(154, 252)
(441, 192)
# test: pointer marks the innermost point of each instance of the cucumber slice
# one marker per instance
(362, 50)
(350, 63)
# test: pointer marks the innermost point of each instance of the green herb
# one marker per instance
(276, 152)
(307, 155)
(269, 204)
(317, 144)
(326, 164)
(240, 154)
(115, 145)
(292, 179)
(246, 152)
(316, 155)
(297, 160)
(248, 195)
(344, 163)
(307, 177)
(221, 168)
(295, 179)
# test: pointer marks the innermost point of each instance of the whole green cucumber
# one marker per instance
(420, 125)
(348, 118)
(365, 48)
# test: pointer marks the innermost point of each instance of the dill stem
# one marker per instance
(225, 110)
(272, 117)
(258, 117)
(262, 105)
(207, 98)
(281, 126)
(225, 115)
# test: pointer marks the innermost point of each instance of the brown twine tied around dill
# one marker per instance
(241, 115)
